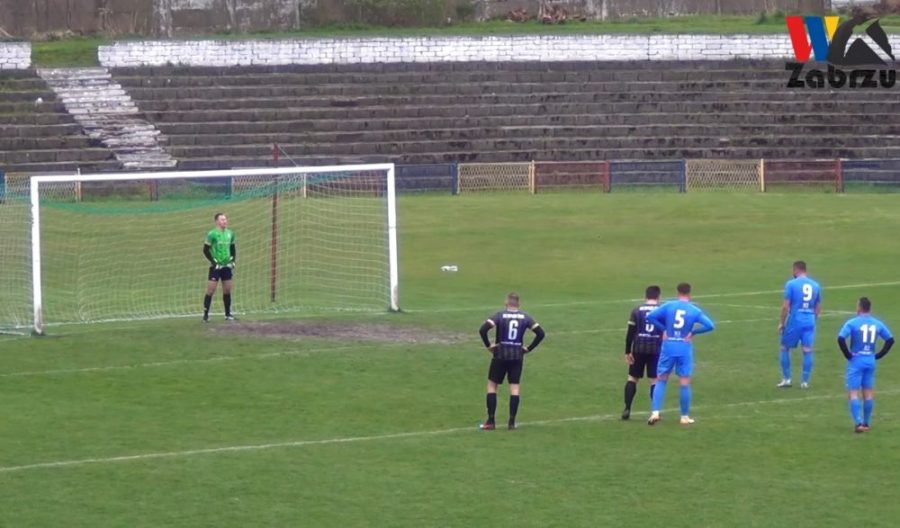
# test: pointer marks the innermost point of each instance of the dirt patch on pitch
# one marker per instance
(335, 331)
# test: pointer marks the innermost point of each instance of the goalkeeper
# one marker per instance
(221, 253)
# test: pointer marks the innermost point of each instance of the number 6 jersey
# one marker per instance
(510, 326)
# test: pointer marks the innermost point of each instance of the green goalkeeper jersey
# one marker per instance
(220, 245)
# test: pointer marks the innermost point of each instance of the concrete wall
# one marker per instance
(616, 9)
(15, 55)
(24, 18)
(447, 49)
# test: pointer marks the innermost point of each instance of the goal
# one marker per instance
(724, 175)
(110, 247)
(479, 177)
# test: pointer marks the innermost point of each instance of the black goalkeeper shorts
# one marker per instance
(510, 369)
(643, 362)
(221, 274)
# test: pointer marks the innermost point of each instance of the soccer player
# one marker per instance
(863, 331)
(678, 319)
(642, 341)
(799, 312)
(508, 353)
(220, 251)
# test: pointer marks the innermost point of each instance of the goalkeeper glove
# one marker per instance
(232, 263)
(217, 266)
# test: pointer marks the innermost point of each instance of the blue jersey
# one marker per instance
(864, 331)
(804, 295)
(678, 319)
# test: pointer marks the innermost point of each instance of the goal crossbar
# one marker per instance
(35, 210)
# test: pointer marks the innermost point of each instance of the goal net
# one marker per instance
(723, 175)
(129, 246)
(472, 177)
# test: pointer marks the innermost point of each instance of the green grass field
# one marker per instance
(173, 423)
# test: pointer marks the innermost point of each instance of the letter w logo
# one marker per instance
(820, 29)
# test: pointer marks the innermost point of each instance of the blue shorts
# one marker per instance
(860, 374)
(794, 335)
(683, 365)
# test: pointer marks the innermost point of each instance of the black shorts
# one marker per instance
(642, 362)
(510, 369)
(224, 274)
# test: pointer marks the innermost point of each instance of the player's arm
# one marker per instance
(885, 348)
(888, 343)
(483, 331)
(631, 332)
(785, 310)
(208, 254)
(538, 337)
(657, 317)
(233, 250)
(842, 341)
(785, 307)
(706, 325)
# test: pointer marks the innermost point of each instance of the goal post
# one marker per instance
(309, 239)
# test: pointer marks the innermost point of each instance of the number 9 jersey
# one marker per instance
(804, 295)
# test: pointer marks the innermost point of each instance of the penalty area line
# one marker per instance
(634, 300)
(373, 438)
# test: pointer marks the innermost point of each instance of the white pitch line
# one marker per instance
(726, 321)
(372, 438)
(773, 308)
(633, 300)
(173, 362)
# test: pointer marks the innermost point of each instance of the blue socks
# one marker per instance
(807, 366)
(855, 411)
(786, 364)
(659, 394)
(685, 400)
(868, 405)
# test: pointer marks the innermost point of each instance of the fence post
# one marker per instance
(839, 176)
(683, 184)
(532, 184)
(607, 184)
(454, 178)
(762, 175)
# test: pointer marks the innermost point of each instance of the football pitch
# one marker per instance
(175, 423)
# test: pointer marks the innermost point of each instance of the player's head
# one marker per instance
(512, 300)
(864, 305)
(684, 290)
(652, 293)
(221, 220)
(799, 268)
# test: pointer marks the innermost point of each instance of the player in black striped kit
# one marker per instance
(508, 353)
(642, 344)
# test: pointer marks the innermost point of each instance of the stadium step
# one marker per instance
(38, 135)
(505, 112)
(237, 135)
(109, 115)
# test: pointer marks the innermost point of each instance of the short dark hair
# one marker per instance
(512, 299)
(653, 292)
(684, 288)
(865, 305)
(800, 265)
(216, 216)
